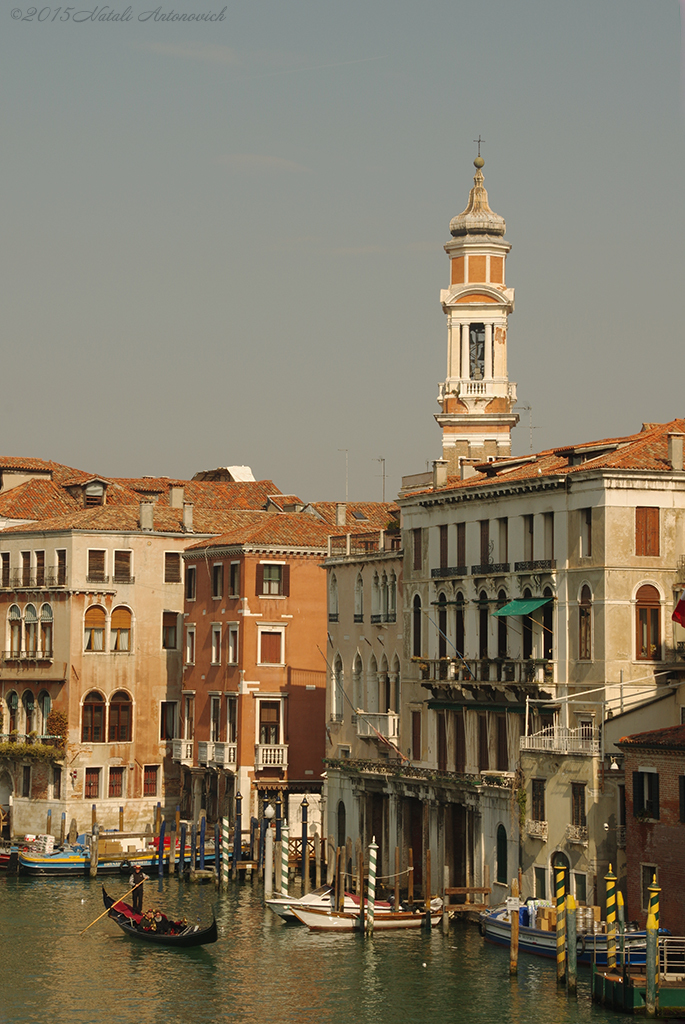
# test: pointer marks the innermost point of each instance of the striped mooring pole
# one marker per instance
(654, 891)
(610, 880)
(284, 858)
(373, 853)
(561, 924)
(160, 849)
(225, 855)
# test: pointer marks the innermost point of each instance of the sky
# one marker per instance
(222, 240)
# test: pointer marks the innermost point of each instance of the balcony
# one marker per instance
(34, 579)
(370, 725)
(205, 752)
(98, 577)
(270, 755)
(577, 834)
(27, 655)
(447, 571)
(492, 670)
(537, 830)
(563, 741)
(225, 755)
(490, 569)
(123, 578)
(536, 565)
(182, 752)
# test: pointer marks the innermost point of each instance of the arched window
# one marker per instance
(585, 625)
(357, 672)
(359, 599)
(395, 677)
(120, 718)
(46, 630)
(12, 706)
(29, 704)
(384, 598)
(44, 705)
(548, 626)
(502, 635)
(120, 630)
(648, 611)
(384, 687)
(93, 718)
(333, 599)
(527, 629)
(461, 632)
(392, 597)
(416, 627)
(375, 598)
(30, 630)
(338, 692)
(94, 632)
(483, 624)
(342, 825)
(502, 874)
(14, 619)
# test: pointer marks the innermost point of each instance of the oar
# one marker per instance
(109, 908)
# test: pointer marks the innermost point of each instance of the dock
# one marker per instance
(624, 988)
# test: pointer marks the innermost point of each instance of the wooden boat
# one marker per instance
(75, 860)
(182, 935)
(496, 927)
(347, 921)
(320, 899)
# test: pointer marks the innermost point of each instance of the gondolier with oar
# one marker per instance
(136, 882)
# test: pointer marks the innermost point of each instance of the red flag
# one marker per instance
(679, 610)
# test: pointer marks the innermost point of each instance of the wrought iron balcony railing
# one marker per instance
(490, 569)
(536, 565)
(537, 829)
(447, 571)
(563, 741)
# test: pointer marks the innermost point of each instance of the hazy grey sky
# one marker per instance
(222, 241)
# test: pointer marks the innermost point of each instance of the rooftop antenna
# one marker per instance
(382, 462)
(347, 474)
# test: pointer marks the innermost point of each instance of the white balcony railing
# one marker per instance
(269, 755)
(369, 725)
(537, 829)
(563, 741)
(577, 834)
(182, 751)
(225, 755)
(205, 751)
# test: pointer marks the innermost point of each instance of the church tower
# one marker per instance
(477, 398)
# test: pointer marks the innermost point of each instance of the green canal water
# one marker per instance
(259, 971)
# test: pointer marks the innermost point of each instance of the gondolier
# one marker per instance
(136, 880)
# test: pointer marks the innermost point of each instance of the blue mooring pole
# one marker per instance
(160, 849)
(305, 860)
(203, 829)
(182, 851)
(193, 845)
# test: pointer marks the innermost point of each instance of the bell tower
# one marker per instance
(477, 397)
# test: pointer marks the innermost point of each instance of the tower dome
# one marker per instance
(477, 218)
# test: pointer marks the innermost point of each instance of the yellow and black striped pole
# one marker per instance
(561, 925)
(654, 891)
(610, 880)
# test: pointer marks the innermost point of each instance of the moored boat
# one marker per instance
(75, 860)
(349, 921)
(167, 933)
(320, 899)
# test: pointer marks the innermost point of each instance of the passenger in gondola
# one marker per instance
(161, 924)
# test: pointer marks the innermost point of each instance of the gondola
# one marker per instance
(191, 935)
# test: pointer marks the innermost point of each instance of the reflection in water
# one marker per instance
(260, 970)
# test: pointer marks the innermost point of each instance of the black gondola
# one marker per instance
(128, 921)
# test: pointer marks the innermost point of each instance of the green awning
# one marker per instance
(523, 606)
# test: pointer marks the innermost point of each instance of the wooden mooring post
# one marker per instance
(397, 879)
(317, 860)
(121, 819)
(410, 878)
(48, 824)
(94, 851)
(514, 918)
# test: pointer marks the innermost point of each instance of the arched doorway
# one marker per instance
(502, 875)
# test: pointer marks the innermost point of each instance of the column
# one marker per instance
(487, 368)
(465, 364)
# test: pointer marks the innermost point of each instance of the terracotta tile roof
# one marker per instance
(276, 529)
(361, 516)
(670, 738)
(20, 462)
(36, 499)
(646, 451)
(209, 494)
(125, 519)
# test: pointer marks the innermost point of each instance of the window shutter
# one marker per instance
(270, 648)
(259, 580)
(122, 564)
(121, 618)
(654, 809)
(172, 567)
(285, 580)
(652, 531)
(638, 793)
(95, 618)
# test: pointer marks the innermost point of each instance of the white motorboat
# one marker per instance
(319, 899)
(345, 921)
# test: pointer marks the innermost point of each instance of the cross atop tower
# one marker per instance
(479, 140)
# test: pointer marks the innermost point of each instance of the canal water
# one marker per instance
(260, 970)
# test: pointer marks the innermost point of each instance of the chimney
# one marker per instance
(340, 513)
(146, 515)
(187, 517)
(439, 473)
(176, 495)
(675, 451)
(467, 470)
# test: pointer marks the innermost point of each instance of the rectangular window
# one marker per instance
(216, 644)
(233, 644)
(234, 580)
(502, 748)
(461, 543)
(190, 645)
(648, 873)
(581, 887)
(191, 580)
(167, 730)
(122, 567)
(26, 780)
(215, 719)
(528, 538)
(578, 804)
(61, 568)
(416, 735)
(231, 719)
(270, 647)
(646, 795)
(483, 753)
(538, 804)
(56, 783)
(217, 581)
(549, 535)
(417, 552)
(169, 630)
(5, 569)
(272, 580)
(172, 567)
(189, 717)
(96, 567)
(269, 722)
(540, 884)
(485, 542)
(647, 531)
(150, 773)
(26, 568)
(504, 540)
(585, 532)
(40, 568)
(444, 553)
(92, 787)
(116, 783)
